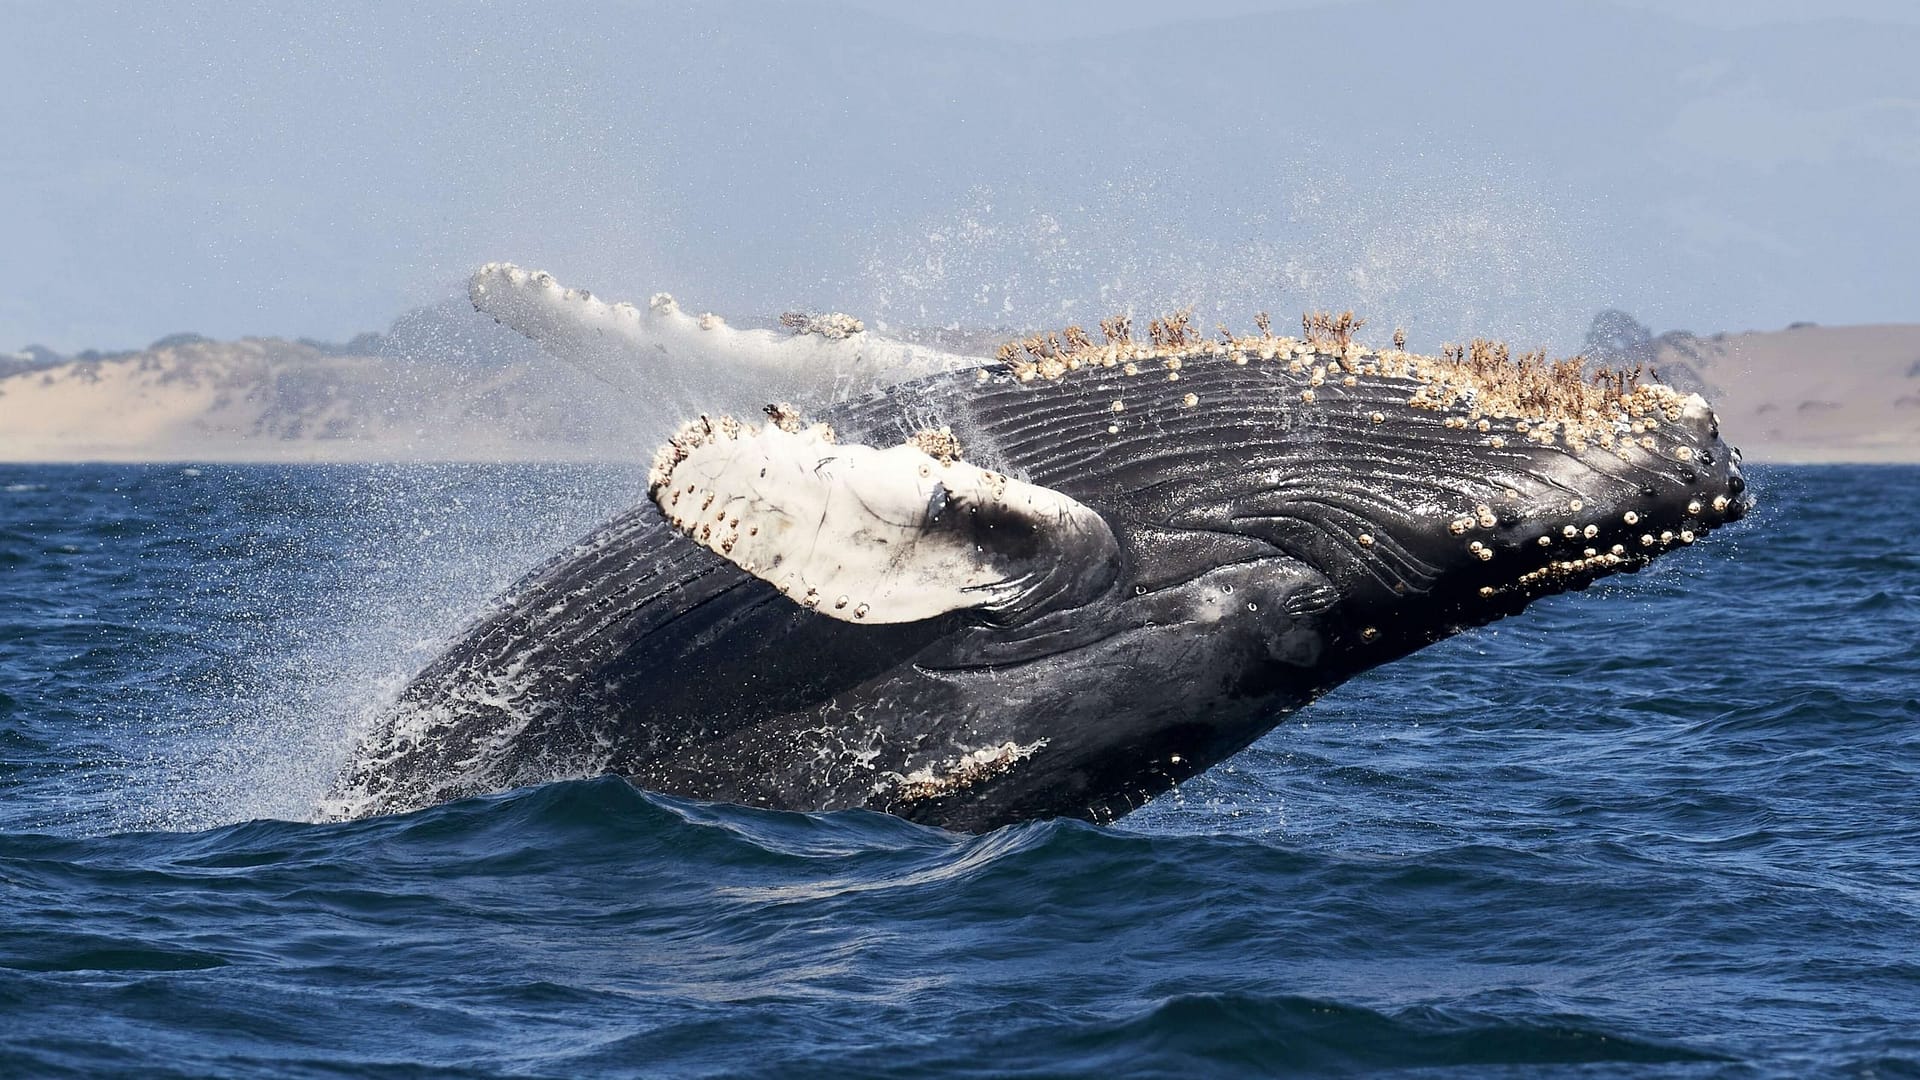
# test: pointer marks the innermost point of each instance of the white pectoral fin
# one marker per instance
(607, 341)
(631, 347)
(879, 535)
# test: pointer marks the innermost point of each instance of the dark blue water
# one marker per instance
(1670, 827)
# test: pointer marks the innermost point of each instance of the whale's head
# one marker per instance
(1425, 494)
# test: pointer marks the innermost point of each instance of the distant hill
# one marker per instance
(1809, 393)
(382, 397)
(442, 384)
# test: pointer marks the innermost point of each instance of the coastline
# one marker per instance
(1806, 395)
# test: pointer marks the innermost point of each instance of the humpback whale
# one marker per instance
(1057, 582)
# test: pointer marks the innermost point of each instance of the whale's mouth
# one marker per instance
(1500, 522)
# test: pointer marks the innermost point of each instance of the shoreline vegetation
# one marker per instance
(435, 390)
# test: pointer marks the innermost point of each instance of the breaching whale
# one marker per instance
(1056, 583)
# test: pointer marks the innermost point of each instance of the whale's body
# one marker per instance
(1233, 530)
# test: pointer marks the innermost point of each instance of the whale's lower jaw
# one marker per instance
(1254, 527)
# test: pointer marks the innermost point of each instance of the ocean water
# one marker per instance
(1668, 827)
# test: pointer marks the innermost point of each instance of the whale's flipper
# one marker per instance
(820, 358)
(872, 535)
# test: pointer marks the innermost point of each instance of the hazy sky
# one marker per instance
(1488, 165)
(1062, 19)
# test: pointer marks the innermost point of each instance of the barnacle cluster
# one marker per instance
(1482, 384)
(968, 770)
(705, 429)
(834, 326)
(938, 443)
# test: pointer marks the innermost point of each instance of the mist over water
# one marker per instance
(1449, 254)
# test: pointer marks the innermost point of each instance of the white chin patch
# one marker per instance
(876, 535)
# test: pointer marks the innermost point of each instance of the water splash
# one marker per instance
(337, 585)
(1447, 252)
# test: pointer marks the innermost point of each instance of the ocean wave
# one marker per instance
(1655, 830)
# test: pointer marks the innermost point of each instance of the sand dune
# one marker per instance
(1810, 393)
(263, 399)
